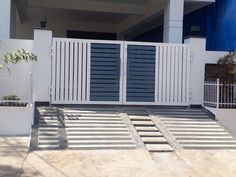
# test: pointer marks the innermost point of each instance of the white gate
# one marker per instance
(117, 72)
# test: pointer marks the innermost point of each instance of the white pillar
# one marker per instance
(173, 21)
(7, 19)
(42, 68)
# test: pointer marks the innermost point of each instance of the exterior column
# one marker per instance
(42, 68)
(7, 19)
(173, 21)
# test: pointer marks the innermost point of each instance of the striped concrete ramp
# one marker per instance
(194, 129)
(96, 128)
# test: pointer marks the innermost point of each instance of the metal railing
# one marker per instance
(21, 88)
(219, 94)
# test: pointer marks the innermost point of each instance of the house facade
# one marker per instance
(122, 20)
(115, 52)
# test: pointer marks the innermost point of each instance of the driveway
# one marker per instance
(112, 163)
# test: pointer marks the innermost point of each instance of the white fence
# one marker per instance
(119, 72)
(16, 91)
(220, 94)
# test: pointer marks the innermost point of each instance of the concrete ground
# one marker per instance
(14, 161)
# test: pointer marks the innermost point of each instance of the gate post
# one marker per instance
(42, 68)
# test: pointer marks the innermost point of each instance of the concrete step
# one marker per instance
(102, 146)
(48, 134)
(186, 119)
(207, 141)
(183, 116)
(193, 126)
(210, 146)
(48, 118)
(99, 138)
(98, 133)
(95, 115)
(139, 118)
(136, 112)
(90, 112)
(189, 123)
(159, 148)
(93, 122)
(152, 140)
(96, 130)
(95, 119)
(194, 113)
(142, 128)
(48, 147)
(41, 124)
(48, 138)
(48, 127)
(184, 133)
(150, 134)
(143, 123)
(48, 131)
(96, 125)
(176, 110)
(101, 142)
(204, 137)
(196, 129)
(48, 142)
(91, 109)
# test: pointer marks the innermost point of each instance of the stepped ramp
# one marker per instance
(194, 129)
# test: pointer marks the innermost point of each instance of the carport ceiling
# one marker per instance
(122, 14)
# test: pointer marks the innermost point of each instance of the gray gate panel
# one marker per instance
(141, 73)
(105, 72)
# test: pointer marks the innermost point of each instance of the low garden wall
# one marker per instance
(15, 120)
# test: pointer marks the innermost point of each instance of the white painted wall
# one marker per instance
(227, 117)
(18, 71)
(200, 58)
(16, 120)
(5, 18)
(42, 68)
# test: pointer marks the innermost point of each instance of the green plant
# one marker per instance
(227, 67)
(10, 98)
(17, 57)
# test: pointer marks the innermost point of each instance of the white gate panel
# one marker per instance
(66, 71)
(173, 74)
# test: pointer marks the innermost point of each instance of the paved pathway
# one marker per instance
(112, 163)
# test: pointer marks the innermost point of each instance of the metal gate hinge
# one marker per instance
(190, 94)
(191, 56)
(50, 91)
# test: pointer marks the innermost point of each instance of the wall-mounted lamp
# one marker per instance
(43, 22)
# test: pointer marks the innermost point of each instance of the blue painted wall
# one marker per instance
(221, 26)
(216, 22)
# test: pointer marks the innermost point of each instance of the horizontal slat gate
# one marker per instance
(105, 72)
(115, 72)
(141, 73)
